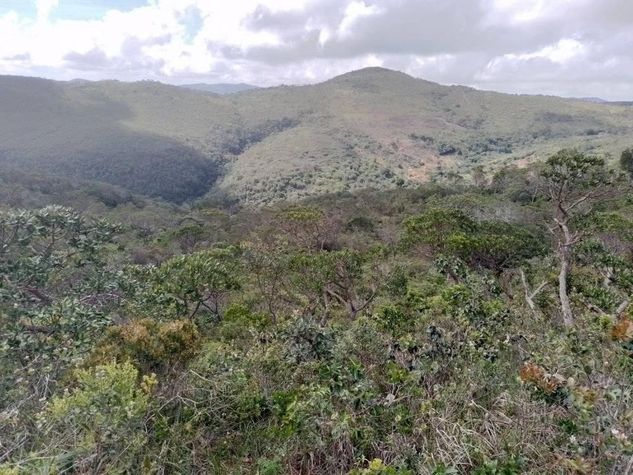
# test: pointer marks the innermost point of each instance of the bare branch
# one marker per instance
(529, 296)
(39, 294)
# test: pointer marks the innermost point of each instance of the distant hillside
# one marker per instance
(369, 128)
(598, 100)
(136, 136)
(220, 88)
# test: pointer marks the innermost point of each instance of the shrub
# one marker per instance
(149, 344)
(101, 420)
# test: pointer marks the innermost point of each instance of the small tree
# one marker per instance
(626, 161)
(573, 183)
(479, 177)
(322, 279)
(265, 259)
(307, 228)
(56, 290)
(451, 233)
(183, 285)
(430, 229)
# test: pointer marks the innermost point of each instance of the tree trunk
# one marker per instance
(564, 252)
(568, 316)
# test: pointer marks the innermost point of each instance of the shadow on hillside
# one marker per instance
(60, 129)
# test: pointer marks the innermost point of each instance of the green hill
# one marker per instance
(369, 128)
(220, 88)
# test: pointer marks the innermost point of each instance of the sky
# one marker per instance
(577, 48)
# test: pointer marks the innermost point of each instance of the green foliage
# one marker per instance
(397, 283)
(305, 227)
(150, 345)
(496, 467)
(433, 226)
(55, 288)
(626, 161)
(360, 223)
(575, 171)
(318, 342)
(240, 322)
(492, 245)
(323, 278)
(102, 416)
(301, 215)
(184, 285)
(612, 224)
(269, 467)
(377, 467)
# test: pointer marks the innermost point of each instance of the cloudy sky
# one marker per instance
(563, 47)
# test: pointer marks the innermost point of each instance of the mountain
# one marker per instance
(597, 100)
(368, 128)
(221, 88)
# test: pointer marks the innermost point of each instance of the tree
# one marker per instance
(351, 287)
(491, 245)
(337, 277)
(185, 284)
(478, 174)
(308, 228)
(265, 260)
(57, 295)
(55, 287)
(431, 228)
(573, 183)
(36, 247)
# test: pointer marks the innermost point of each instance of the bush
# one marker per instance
(101, 420)
(148, 344)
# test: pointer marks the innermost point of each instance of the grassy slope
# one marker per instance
(369, 128)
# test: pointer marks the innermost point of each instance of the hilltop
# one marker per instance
(372, 128)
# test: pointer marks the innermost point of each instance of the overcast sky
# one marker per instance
(562, 47)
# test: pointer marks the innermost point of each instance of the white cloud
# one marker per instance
(519, 11)
(354, 12)
(515, 45)
(51, 42)
(44, 8)
(560, 53)
(528, 11)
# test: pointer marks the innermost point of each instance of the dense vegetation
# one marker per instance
(369, 128)
(441, 329)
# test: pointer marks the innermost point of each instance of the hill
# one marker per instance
(368, 128)
(221, 88)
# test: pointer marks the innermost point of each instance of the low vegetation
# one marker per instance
(433, 330)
